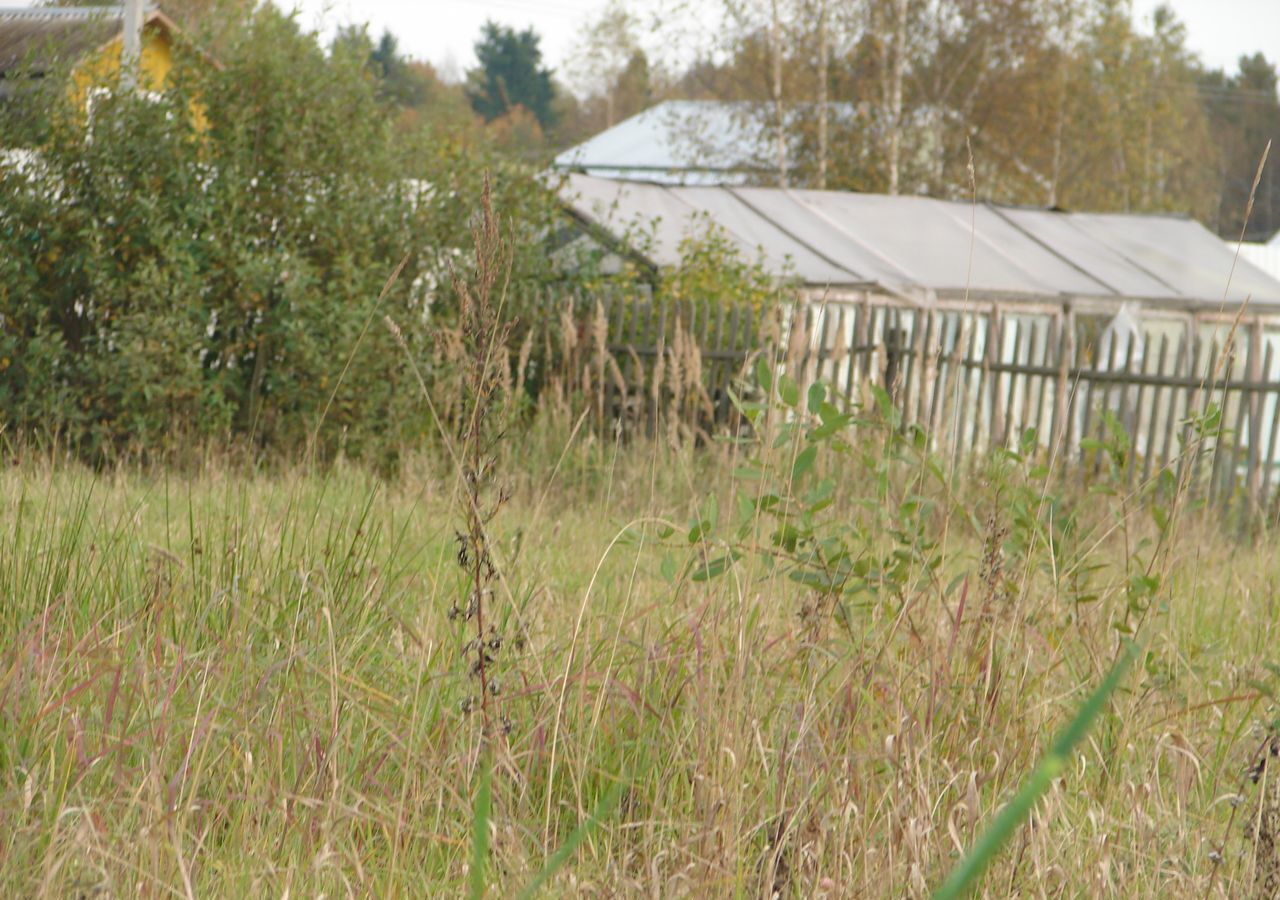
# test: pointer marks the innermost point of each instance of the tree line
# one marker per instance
(1060, 103)
(1045, 102)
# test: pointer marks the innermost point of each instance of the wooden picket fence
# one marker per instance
(642, 364)
(1199, 397)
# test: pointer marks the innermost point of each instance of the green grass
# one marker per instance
(233, 684)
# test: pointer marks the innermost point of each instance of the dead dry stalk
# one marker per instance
(483, 337)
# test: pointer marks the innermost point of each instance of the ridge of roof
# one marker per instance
(68, 13)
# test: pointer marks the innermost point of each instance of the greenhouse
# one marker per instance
(913, 286)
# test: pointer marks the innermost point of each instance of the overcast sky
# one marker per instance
(443, 31)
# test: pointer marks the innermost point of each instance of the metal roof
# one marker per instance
(1265, 256)
(921, 247)
(690, 142)
(41, 36)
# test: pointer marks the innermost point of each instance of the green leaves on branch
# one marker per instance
(785, 512)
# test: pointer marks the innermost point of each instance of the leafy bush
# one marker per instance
(206, 264)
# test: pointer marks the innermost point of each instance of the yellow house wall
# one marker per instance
(102, 68)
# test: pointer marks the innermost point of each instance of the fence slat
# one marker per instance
(971, 380)
(1157, 391)
(1233, 435)
(852, 351)
(1059, 426)
(995, 347)
(1177, 403)
(971, 424)
(1269, 460)
(1089, 399)
(1197, 405)
(1257, 363)
(1127, 403)
(938, 396)
(822, 353)
(925, 385)
(1042, 357)
(1011, 384)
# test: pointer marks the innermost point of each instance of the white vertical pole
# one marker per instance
(131, 40)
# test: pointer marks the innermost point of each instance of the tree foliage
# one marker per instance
(510, 75)
(611, 69)
(208, 264)
(1063, 103)
(1244, 115)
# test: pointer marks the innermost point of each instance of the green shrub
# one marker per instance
(206, 264)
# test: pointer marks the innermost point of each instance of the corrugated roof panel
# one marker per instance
(781, 250)
(670, 136)
(800, 220)
(948, 246)
(1183, 254)
(663, 217)
(646, 216)
(995, 235)
(905, 243)
(1058, 233)
(694, 141)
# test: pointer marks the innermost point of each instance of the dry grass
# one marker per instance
(237, 684)
(234, 683)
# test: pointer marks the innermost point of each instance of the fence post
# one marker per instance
(892, 359)
(1060, 432)
(1254, 376)
(995, 341)
(862, 337)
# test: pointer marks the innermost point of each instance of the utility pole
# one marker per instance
(131, 45)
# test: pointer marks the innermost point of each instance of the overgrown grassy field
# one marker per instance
(237, 683)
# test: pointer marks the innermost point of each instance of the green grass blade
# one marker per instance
(970, 868)
(481, 812)
(566, 850)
